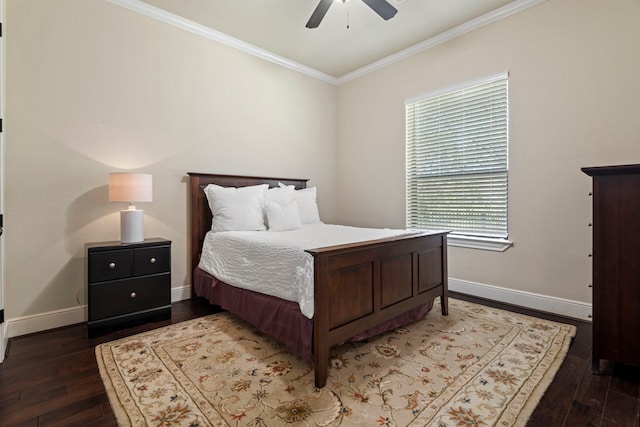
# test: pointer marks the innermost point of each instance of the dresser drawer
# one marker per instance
(110, 265)
(151, 260)
(127, 296)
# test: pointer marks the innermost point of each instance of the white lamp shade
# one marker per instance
(130, 187)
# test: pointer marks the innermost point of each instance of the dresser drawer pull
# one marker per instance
(133, 295)
(112, 265)
(152, 260)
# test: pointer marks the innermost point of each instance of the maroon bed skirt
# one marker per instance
(282, 319)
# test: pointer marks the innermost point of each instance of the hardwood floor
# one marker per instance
(51, 379)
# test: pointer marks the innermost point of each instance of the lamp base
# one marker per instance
(132, 226)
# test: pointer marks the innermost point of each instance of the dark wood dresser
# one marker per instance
(616, 264)
(127, 283)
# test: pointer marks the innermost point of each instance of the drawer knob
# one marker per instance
(112, 265)
(152, 260)
(133, 295)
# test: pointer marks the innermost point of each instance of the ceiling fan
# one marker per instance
(381, 7)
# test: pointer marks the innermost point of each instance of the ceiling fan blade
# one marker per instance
(319, 13)
(382, 8)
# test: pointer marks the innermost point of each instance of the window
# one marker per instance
(457, 161)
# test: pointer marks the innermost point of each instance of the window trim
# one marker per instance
(458, 239)
(474, 242)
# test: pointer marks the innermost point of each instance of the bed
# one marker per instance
(359, 289)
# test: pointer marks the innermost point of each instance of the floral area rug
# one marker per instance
(478, 366)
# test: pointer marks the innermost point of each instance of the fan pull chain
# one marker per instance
(347, 15)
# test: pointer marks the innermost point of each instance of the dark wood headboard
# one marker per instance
(199, 213)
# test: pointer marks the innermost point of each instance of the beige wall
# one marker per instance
(574, 70)
(94, 88)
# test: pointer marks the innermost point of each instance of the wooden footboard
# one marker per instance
(359, 286)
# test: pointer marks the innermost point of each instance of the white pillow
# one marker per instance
(282, 217)
(283, 194)
(236, 209)
(307, 206)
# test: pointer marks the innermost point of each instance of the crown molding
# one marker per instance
(474, 24)
(211, 34)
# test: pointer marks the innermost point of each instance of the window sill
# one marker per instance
(489, 244)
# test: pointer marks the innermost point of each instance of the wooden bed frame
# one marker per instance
(356, 286)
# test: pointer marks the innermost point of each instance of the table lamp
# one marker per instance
(131, 187)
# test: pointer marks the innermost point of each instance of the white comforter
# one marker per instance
(275, 263)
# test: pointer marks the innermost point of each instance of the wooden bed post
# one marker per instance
(444, 297)
(321, 324)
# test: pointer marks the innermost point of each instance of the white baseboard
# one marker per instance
(181, 293)
(69, 316)
(549, 304)
(4, 341)
(43, 321)
(59, 318)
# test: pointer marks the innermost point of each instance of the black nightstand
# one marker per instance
(127, 283)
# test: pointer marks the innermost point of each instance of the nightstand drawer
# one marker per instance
(151, 260)
(127, 283)
(110, 265)
(127, 296)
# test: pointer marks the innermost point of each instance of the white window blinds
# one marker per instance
(457, 160)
